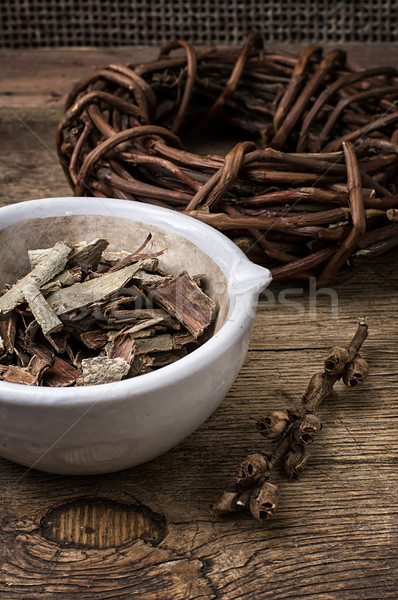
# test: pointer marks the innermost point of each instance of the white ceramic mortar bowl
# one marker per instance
(105, 428)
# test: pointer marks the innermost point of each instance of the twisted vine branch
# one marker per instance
(321, 136)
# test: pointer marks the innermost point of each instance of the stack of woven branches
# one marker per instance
(312, 191)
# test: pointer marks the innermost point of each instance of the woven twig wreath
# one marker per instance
(314, 186)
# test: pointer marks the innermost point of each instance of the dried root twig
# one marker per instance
(292, 433)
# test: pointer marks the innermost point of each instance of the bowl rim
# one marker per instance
(241, 300)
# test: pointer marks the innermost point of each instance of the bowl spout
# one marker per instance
(246, 277)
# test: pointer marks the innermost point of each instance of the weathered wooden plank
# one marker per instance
(33, 172)
(335, 535)
(22, 90)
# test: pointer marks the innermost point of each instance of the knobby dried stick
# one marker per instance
(191, 70)
(231, 83)
(291, 119)
(292, 432)
(294, 84)
(276, 221)
(357, 214)
(329, 92)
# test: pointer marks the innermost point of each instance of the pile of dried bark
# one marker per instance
(84, 315)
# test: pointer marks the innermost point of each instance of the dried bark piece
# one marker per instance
(132, 296)
(51, 286)
(30, 330)
(143, 314)
(183, 299)
(163, 343)
(167, 358)
(110, 257)
(80, 320)
(144, 325)
(112, 325)
(122, 346)
(94, 339)
(19, 375)
(83, 294)
(159, 343)
(38, 365)
(70, 352)
(107, 307)
(141, 364)
(88, 255)
(8, 331)
(38, 349)
(85, 254)
(40, 254)
(65, 278)
(151, 280)
(134, 256)
(150, 265)
(61, 374)
(70, 276)
(40, 308)
(102, 369)
(77, 356)
(182, 339)
(52, 264)
(36, 256)
(145, 333)
(23, 358)
(58, 340)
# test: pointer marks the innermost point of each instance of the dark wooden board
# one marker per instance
(148, 533)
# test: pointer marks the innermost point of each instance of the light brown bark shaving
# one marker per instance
(183, 298)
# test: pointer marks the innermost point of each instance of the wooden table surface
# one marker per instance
(148, 533)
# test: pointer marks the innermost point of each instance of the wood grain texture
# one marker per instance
(335, 535)
(76, 524)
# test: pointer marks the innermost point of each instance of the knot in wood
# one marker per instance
(102, 523)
